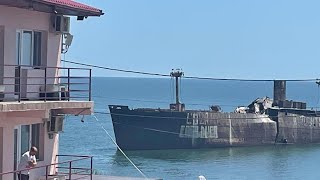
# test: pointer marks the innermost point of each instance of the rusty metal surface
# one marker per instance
(192, 129)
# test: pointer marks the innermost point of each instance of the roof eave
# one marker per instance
(77, 12)
(71, 11)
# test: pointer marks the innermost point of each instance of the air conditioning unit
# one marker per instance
(54, 92)
(2, 89)
(55, 124)
(60, 24)
(63, 92)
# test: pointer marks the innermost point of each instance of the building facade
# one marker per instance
(35, 92)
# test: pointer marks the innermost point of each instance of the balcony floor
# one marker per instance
(66, 107)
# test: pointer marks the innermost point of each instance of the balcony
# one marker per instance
(34, 87)
(72, 167)
(23, 83)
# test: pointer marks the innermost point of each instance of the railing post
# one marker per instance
(91, 167)
(90, 83)
(70, 167)
(69, 84)
(46, 172)
(19, 72)
(45, 84)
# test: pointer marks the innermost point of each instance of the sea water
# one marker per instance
(264, 162)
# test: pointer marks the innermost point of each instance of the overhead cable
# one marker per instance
(187, 77)
(119, 70)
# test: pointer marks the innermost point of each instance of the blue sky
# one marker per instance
(267, 39)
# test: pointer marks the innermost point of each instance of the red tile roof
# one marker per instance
(74, 5)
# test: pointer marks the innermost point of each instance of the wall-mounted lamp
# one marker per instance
(80, 18)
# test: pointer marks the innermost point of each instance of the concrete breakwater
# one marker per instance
(234, 129)
(228, 129)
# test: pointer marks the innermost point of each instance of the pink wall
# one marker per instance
(1, 52)
(8, 140)
(51, 147)
(1, 149)
(11, 20)
(14, 19)
(7, 123)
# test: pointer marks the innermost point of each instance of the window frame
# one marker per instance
(37, 135)
(20, 45)
(40, 154)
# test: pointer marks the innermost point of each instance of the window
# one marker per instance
(18, 37)
(25, 138)
(28, 44)
(30, 136)
(26, 48)
(36, 49)
(35, 137)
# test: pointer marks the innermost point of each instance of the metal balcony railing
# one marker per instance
(71, 167)
(43, 83)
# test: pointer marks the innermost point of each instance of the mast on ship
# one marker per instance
(177, 106)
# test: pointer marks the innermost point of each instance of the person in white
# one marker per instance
(28, 160)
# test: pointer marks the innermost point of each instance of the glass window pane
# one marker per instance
(26, 48)
(25, 137)
(18, 34)
(35, 137)
(37, 49)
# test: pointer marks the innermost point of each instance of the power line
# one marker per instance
(119, 70)
(187, 77)
(248, 80)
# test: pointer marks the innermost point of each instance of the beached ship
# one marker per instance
(264, 122)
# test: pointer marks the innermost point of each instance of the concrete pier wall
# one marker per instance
(298, 128)
(228, 129)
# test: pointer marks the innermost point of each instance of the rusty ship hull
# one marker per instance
(154, 129)
(264, 122)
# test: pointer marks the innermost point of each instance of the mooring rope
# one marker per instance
(114, 142)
